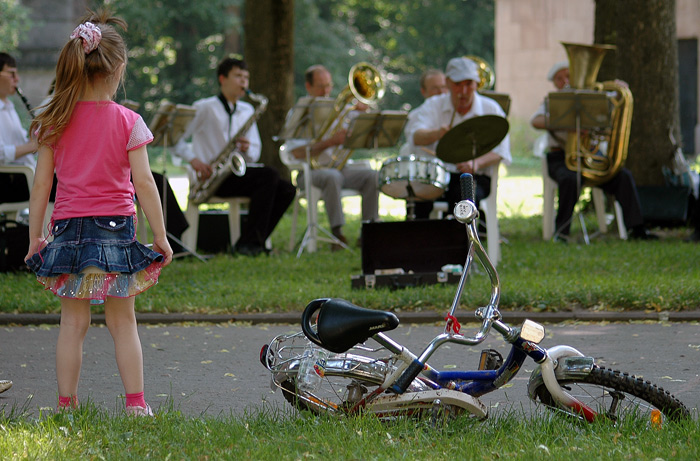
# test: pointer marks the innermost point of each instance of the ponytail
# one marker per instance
(95, 50)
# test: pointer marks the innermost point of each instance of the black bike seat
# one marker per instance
(342, 324)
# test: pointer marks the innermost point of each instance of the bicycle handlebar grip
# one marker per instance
(306, 317)
(466, 182)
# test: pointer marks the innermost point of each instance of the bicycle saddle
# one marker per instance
(341, 324)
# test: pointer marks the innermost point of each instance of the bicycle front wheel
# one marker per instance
(616, 395)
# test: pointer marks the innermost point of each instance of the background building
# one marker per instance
(528, 36)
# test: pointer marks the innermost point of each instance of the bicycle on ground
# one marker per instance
(328, 367)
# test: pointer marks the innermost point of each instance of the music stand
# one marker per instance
(168, 125)
(576, 110)
(305, 121)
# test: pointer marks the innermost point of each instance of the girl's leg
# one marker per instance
(75, 320)
(121, 322)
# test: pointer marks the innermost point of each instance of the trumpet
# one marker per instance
(364, 84)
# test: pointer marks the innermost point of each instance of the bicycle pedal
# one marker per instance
(490, 359)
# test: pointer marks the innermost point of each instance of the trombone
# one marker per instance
(364, 84)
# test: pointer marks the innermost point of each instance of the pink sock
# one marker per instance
(135, 400)
(68, 402)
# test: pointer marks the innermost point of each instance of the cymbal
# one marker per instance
(472, 138)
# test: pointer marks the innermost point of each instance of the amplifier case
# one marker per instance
(418, 248)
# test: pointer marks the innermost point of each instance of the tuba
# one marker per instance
(364, 84)
(229, 161)
(599, 154)
(487, 77)
(487, 80)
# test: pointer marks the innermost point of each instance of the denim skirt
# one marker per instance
(94, 257)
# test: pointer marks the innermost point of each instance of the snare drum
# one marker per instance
(426, 176)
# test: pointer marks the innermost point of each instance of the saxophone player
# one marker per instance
(17, 148)
(218, 119)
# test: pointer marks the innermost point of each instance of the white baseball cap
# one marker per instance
(460, 69)
(556, 68)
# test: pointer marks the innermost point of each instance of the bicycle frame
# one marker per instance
(406, 366)
(524, 341)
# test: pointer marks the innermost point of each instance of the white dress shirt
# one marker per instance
(438, 111)
(11, 135)
(212, 128)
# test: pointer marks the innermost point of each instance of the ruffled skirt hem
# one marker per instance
(98, 286)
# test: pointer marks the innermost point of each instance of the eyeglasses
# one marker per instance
(11, 73)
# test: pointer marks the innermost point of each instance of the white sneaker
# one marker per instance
(139, 411)
(5, 384)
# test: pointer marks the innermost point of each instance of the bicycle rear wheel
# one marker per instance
(616, 395)
(348, 379)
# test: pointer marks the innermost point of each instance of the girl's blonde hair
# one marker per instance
(76, 68)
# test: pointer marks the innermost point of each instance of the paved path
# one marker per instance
(214, 368)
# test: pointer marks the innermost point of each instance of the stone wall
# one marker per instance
(52, 23)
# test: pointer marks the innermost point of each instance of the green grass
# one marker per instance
(93, 433)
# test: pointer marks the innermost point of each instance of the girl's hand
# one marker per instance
(35, 246)
(162, 246)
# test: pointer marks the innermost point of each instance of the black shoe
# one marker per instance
(641, 233)
(694, 237)
(248, 249)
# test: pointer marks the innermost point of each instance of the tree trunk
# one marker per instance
(269, 52)
(644, 32)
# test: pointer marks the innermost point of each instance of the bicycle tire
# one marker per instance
(331, 398)
(603, 386)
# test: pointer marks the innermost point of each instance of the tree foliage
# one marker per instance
(14, 24)
(175, 46)
(406, 38)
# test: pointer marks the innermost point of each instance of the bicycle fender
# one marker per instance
(570, 363)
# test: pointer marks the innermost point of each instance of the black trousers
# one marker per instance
(14, 188)
(622, 186)
(270, 196)
(453, 194)
(175, 221)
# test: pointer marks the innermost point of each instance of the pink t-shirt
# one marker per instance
(92, 161)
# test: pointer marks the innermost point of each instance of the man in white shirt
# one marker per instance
(331, 181)
(217, 120)
(439, 114)
(17, 148)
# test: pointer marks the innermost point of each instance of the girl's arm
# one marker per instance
(39, 199)
(149, 200)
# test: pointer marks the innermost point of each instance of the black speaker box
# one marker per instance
(418, 248)
(664, 205)
(213, 235)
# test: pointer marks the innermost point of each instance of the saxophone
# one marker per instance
(229, 159)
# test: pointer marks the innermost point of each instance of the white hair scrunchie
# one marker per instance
(90, 34)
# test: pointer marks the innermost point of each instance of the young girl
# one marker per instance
(94, 145)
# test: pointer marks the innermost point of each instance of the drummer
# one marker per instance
(432, 83)
(440, 113)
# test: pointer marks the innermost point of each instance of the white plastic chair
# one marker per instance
(488, 206)
(189, 237)
(13, 209)
(549, 188)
